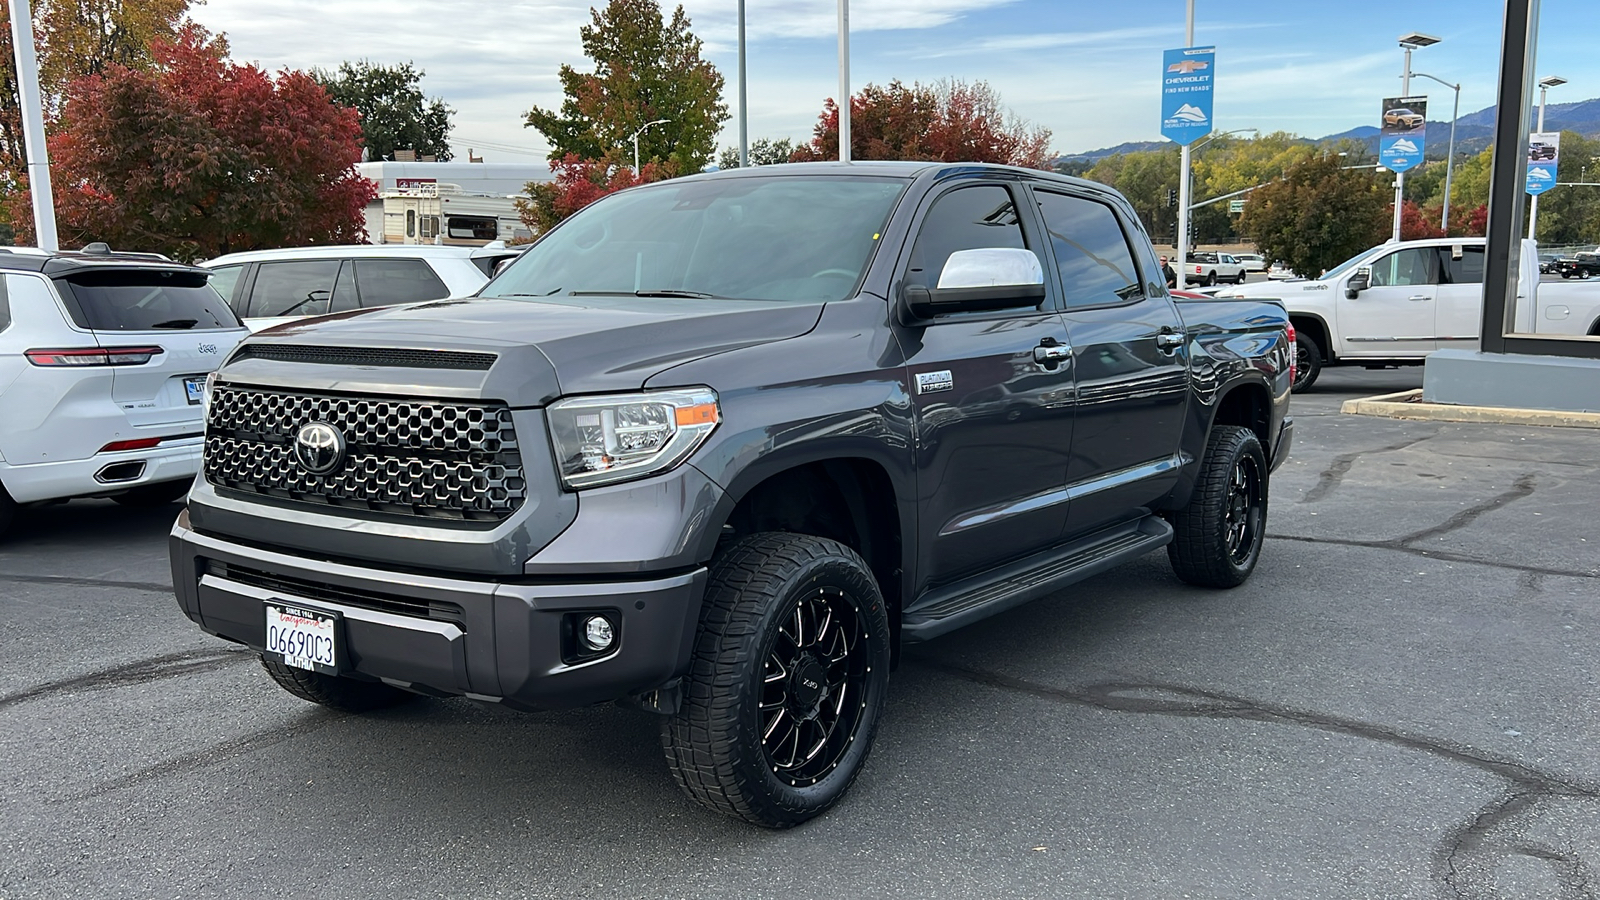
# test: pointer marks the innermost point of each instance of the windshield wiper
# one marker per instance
(663, 292)
(545, 294)
(177, 323)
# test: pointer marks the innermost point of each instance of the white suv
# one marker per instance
(103, 363)
(270, 287)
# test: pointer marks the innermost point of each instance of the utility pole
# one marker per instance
(844, 80)
(1182, 251)
(44, 208)
(744, 99)
(1400, 177)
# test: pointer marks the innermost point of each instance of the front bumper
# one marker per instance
(489, 640)
(176, 461)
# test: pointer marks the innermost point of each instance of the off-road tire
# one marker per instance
(1307, 362)
(1201, 551)
(343, 694)
(714, 744)
(159, 494)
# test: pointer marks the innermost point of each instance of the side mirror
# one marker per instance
(1360, 281)
(980, 280)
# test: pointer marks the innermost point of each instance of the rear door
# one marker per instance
(1130, 362)
(178, 312)
(1458, 301)
(1394, 315)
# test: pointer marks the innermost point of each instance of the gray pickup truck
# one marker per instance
(716, 447)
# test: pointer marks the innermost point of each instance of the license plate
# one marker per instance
(304, 638)
(196, 389)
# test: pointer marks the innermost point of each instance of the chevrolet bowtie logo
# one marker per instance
(1188, 66)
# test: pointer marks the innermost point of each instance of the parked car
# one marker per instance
(1396, 303)
(1280, 271)
(715, 445)
(1578, 265)
(1208, 268)
(270, 287)
(1410, 120)
(1252, 262)
(103, 360)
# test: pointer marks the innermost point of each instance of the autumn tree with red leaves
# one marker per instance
(199, 156)
(949, 121)
(578, 183)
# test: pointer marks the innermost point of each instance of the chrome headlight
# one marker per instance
(603, 440)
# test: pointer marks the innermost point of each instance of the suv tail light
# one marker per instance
(93, 356)
(1294, 353)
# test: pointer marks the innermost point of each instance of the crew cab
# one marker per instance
(1579, 265)
(1208, 268)
(716, 447)
(103, 360)
(1396, 303)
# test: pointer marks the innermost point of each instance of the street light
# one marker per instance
(636, 143)
(1545, 84)
(1408, 42)
(1450, 155)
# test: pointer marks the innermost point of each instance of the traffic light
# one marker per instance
(1172, 197)
(1173, 235)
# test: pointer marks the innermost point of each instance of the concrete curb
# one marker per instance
(1408, 405)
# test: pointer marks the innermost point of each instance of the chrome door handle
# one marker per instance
(1048, 354)
(1168, 341)
(1420, 297)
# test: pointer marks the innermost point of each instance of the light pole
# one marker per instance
(1450, 155)
(44, 209)
(1185, 158)
(1188, 204)
(1408, 42)
(636, 143)
(1545, 84)
(844, 81)
(744, 100)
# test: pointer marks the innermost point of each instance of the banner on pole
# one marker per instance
(1544, 151)
(1187, 76)
(1404, 133)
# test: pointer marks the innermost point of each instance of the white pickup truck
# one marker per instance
(1206, 267)
(1398, 302)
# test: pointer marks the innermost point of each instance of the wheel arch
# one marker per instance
(1316, 327)
(1247, 403)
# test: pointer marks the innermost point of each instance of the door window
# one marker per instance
(293, 288)
(1467, 268)
(411, 223)
(225, 279)
(1091, 251)
(386, 282)
(1406, 268)
(964, 219)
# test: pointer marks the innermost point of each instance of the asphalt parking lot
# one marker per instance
(1399, 704)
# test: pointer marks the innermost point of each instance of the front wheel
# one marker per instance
(1307, 363)
(1217, 538)
(790, 669)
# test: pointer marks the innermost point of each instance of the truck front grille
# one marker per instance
(430, 459)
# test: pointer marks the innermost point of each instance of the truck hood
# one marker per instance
(1279, 290)
(594, 344)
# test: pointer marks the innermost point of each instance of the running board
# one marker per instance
(953, 606)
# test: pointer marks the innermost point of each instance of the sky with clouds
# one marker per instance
(1086, 69)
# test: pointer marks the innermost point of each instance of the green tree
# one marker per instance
(1144, 177)
(1470, 186)
(645, 69)
(1318, 215)
(1570, 214)
(394, 112)
(763, 152)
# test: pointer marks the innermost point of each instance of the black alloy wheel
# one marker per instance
(1217, 537)
(813, 687)
(787, 681)
(1307, 362)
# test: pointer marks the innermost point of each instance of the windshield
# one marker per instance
(1338, 270)
(754, 238)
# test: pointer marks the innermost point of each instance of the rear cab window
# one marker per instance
(148, 299)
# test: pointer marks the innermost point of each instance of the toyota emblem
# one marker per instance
(318, 448)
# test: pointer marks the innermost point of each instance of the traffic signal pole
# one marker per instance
(1182, 250)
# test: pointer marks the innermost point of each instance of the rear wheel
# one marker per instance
(1211, 279)
(1307, 362)
(790, 669)
(1217, 538)
(158, 494)
(343, 694)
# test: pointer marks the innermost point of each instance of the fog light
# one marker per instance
(598, 633)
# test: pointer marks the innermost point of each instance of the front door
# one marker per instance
(993, 424)
(1394, 315)
(1130, 363)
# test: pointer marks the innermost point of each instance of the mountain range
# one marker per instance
(1474, 131)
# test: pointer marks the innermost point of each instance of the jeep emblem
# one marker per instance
(318, 448)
